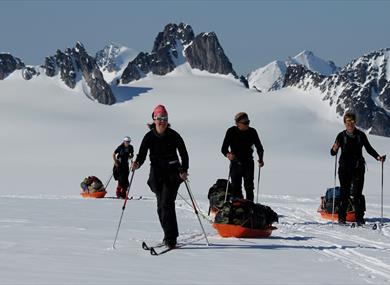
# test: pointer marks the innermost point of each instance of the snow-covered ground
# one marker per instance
(53, 137)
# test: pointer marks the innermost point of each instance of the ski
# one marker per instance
(145, 246)
(161, 248)
(130, 198)
(164, 249)
(373, 226)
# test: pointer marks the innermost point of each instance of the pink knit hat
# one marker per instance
(160, 111)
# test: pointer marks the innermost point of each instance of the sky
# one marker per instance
(252, 33)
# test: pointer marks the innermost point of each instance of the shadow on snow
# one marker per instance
(127, 93)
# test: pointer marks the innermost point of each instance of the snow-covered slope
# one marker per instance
(271, 76)
(314, 63)
(51, 138)
(362, 87)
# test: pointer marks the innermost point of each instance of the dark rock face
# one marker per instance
(171, 34)
(74, 64)
(100, 90)
(244, 81)
(113, 57)
(106, 58)
(165, 56)
(29, 72)
(362, 87)
(296, 73)
(50, 66)
(176, 45)
(205, 53)
(9, 64)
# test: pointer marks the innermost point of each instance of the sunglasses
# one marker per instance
(161, 118)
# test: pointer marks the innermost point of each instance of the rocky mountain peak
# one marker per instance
(362, 87)
(271, 77)
(206, 53)
(172, 33)
(75, 64)
(8, 64)
(114, 57)
(176, 45)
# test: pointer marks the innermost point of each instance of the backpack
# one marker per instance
(245, 213)
(327, 200)
(92, 184)
(217, 193)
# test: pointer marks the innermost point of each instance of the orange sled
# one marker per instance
(100, 194)
(226, 230)
(328, 216)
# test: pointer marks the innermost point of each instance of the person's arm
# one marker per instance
(181, 147)
(143, 151)
(371, 151)
(131, 153)
(334, 149)
(225, 145)
(259, 147)
(114, 157)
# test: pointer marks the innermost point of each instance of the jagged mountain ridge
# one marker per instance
(75, 64)
(9, 64)
(362, 87)
(271, 76)
(175, 45)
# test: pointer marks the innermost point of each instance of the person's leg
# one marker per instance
(123, 181)
(168, 212)
(345, 187)
(358, 183)
(248, 180)
(236, 177)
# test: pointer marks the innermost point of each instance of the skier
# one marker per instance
(352, 166)
(240, 139)
(121, 156)
(166, 171)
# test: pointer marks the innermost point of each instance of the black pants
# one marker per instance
(123, 176)
(165, 184)
(351, 175)
(238, 172)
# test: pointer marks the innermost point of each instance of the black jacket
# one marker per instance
(124, 153)
(241, 143)
(163, 149)
(351, 146)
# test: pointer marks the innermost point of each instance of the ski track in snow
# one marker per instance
(343, 242)
(360, 250)
(56, 236)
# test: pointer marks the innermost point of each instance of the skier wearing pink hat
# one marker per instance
(166, 170)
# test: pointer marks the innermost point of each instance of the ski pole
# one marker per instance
(108, 182)
(200, 212)
(227, 184)
(383, 161)
(258, 184)
(123, 209)
(334, 188)
(195, 209)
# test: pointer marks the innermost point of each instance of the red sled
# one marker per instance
(226, 230)
(95, 195)
(350, 217)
